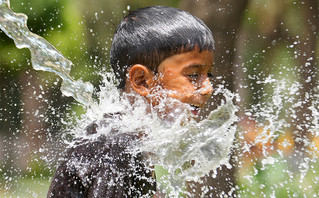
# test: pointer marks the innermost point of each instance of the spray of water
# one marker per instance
(185, 148)
(43, 55)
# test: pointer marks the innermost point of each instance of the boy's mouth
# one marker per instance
(195, 109)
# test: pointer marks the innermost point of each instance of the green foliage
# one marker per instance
(28, 188)
(280, 179)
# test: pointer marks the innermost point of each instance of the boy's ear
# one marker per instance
(140, 79)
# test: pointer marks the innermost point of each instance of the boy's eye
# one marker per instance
(193, 76)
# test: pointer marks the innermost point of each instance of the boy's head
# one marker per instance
(150, 40)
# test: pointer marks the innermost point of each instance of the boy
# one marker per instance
(157, 53)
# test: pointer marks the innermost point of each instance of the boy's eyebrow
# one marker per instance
(195, 66)
(198, 66)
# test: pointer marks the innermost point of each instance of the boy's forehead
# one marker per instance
(192, 59)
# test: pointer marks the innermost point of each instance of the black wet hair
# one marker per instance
(148, 36)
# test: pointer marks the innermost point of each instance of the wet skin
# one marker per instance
(184, 77)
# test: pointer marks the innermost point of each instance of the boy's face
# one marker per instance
(184, 77)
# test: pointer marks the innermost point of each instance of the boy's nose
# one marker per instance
(206, 88)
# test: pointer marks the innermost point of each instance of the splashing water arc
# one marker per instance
(43, 55)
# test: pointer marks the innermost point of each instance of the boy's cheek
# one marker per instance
(183, 96)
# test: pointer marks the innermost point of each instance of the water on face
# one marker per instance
(184, 148)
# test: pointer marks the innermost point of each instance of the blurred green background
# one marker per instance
(258, 43)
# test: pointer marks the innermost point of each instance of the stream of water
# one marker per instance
(43, 55)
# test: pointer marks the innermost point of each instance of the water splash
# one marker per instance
(43, 55)
(186, 149)
(267, 148)
(191, 150)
